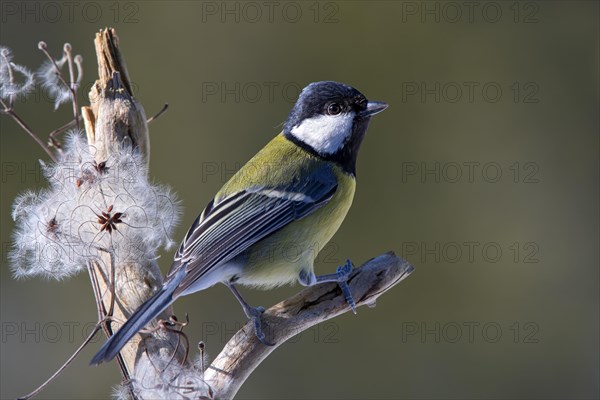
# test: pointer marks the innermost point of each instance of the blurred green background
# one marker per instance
(483, 173)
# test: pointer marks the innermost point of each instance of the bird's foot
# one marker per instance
(254, 314)
(343, 272)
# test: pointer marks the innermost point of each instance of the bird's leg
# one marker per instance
(253, 313)
(308, 278)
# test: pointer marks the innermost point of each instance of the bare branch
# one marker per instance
(244, 352)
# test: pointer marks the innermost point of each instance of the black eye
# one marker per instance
(334, 109)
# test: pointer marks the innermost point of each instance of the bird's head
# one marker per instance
(330, 120)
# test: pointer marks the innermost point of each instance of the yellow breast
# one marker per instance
(279, 258)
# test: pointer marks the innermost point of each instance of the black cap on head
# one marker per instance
(315, 98)
(330, 120)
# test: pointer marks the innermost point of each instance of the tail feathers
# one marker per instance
(144, 314)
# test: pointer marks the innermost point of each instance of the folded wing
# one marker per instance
(229, 227)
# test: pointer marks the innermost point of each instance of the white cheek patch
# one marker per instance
(325, 133)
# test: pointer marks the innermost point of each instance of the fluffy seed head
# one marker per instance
(90, 208)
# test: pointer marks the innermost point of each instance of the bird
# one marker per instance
(267, 224)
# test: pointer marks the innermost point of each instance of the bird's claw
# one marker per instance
(344, 272)
(254, 314)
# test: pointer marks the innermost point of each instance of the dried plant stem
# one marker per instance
(72, 84)
(158, 114)
(105, 319)
(8, 110)
(64, 366)
(52, 135)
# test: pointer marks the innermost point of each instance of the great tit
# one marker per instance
(267, 224)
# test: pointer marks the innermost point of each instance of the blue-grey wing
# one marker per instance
(229, 227)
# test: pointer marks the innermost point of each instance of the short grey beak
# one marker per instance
(374, 107)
